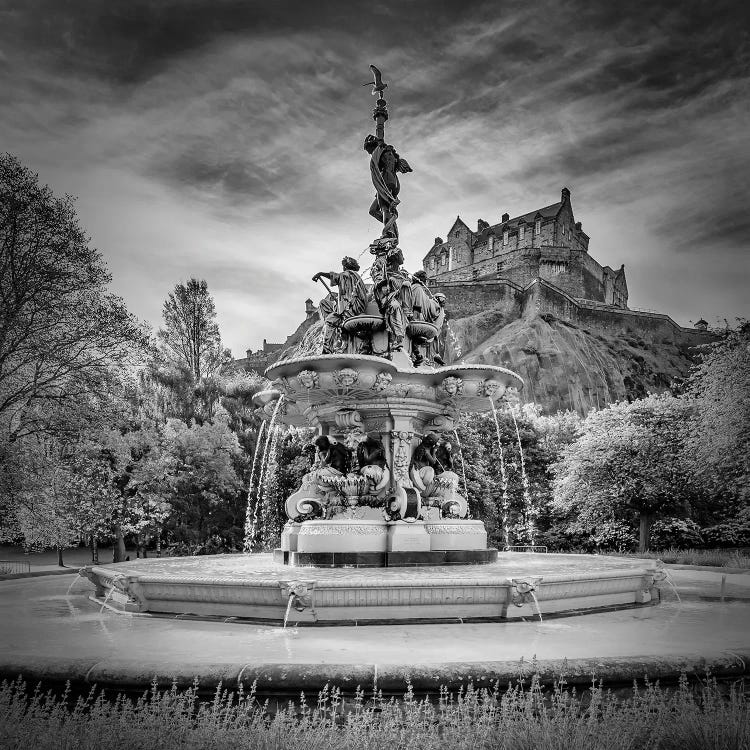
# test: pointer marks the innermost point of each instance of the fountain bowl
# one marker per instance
(255, 588)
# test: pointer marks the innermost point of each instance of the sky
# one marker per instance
(222, 139)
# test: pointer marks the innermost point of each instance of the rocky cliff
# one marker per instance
(567, 367)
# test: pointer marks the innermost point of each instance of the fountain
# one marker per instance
(379, 530)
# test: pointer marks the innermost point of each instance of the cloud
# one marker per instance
(224, 139)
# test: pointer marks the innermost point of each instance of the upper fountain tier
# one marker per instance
(320, 386)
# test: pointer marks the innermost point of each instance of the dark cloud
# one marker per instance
(257, 109)
(128, 41)
(200, 168)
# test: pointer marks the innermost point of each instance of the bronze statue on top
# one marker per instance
(385, 164)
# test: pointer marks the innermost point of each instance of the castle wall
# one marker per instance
(464, 298)
(654, 327)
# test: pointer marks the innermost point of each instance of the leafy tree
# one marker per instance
(628, 461)
(718, 429)
(66, 495)
(63, 337)
(207, 496)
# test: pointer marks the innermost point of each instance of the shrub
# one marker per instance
(734, 532)
(480, 719)
(614, 535)
(675, 532)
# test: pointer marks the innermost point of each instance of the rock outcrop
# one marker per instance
(568, 367)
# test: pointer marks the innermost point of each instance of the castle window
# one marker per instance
(521, 232)
(505, 236)
(490, 243)
(499, 266)
(474, 273)
(538, 227)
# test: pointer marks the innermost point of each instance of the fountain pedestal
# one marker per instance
(399, 506)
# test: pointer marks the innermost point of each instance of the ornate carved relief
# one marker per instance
(382, 381)
(444, 528)
(346, 377)
(308, 379)
(453, 386)
(344, 530)
(492, 389)
(348, 420)
(401, 442)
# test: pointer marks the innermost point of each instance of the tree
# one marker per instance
(628, 461)
(66, 494)
(190, 330)
(207, 497)
(63, 336)
(718, 430)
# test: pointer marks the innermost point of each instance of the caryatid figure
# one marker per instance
(352, 301)
(333, 457)
(392, 291)
(385, 164)
(436, 347)
(432, 468)
(426, 307)
(372, 462)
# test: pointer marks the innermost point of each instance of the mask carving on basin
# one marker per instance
(382, 381)
(493, 389)
(453, 386)
(308, 379)
(346, 377)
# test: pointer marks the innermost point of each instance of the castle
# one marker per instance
(547, 243)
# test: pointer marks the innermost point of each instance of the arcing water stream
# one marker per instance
(503, 479)
(250, 520)
(528, 505)
(249, 538)
(463, 468)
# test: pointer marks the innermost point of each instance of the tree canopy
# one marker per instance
(627, 460)
(64, 338)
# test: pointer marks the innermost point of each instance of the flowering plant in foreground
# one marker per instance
(522, 716)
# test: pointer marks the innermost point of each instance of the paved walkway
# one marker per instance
(45, 563)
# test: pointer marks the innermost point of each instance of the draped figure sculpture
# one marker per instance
(428, 308)
(385, 165)
(392, 292)
(352, 301)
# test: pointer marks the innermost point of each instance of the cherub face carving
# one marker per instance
(382, 381)
(453, 386)
(346, 377)
(308, 379)
(493, 389)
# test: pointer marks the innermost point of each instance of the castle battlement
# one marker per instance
(546, 243)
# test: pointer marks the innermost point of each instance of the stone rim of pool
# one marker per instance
(254, 587)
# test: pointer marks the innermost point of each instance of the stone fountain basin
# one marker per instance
(361, 379)
(253, 587)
